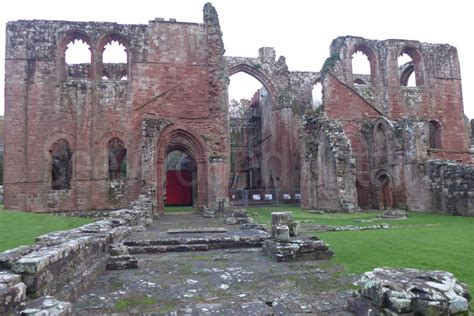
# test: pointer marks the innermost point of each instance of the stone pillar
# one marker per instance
(280, 229)
(217, 181)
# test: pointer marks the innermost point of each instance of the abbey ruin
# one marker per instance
(96, 135)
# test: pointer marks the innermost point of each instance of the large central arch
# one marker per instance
(257, 74)
(177, 137)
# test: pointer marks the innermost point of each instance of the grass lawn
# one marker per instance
(448, 244)
(19, 228)
(178, 209)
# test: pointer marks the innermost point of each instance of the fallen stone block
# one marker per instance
(238, 220)
(411, 291)
(281, 232)
(238, 213)
(253, 226)
(297, 249)
(281, 218)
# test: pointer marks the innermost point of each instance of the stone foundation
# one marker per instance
(63, 264)
(284, 246)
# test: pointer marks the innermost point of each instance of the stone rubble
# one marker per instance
(238, 217)
(394, 214)
(285, 246)
(388, 291)
(46, 306)
(65, 263)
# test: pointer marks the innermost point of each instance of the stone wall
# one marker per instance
(328, 169)
(394, 129)
(451, 186)
(174, 75)
(63, 264)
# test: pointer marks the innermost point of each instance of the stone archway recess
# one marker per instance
(384, 189)
(181, 138)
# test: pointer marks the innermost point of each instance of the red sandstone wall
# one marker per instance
(169, 77)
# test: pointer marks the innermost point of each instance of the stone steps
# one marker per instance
(181, 244)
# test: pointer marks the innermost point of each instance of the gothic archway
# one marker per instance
(180, 138)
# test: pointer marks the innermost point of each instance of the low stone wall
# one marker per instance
(452, 186)
(63, 264)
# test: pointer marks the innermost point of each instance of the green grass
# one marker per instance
(447, 244)
(20, 228)
(124, 304)
(263, 215)
(178, 209)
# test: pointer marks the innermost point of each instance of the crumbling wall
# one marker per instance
(393, 128)
(64, 264)
(328, 169)
(451, 187)
(175, 72)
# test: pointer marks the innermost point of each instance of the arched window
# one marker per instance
(380, 152)
(363, 65)
(114, 61)
(435, 134)
(117, 159)
(409, 68)
(77, 57)
(317, 95)
(61, 171)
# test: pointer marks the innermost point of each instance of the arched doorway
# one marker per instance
(180, 183)
(190, 154)
(252, 136)
(384, 189)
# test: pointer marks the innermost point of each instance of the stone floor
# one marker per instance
(238, 281)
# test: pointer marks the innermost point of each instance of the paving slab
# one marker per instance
(241, 281)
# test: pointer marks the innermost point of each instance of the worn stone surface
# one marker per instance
(297, 249)
(12, 293)
(65, 263)
(394, 214)
(47, 306)
(220, 281)
(238, 220)
(405, 291)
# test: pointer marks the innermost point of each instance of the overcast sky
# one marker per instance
(300, 30)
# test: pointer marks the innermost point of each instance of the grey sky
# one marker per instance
(300, 30)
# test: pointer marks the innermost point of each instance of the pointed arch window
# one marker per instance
(410, 68)
(61, 165)
(435, 134)
(363, 63)
(117, 159)
(114, 60)
(77, 58)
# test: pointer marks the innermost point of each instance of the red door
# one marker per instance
(179, 188)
